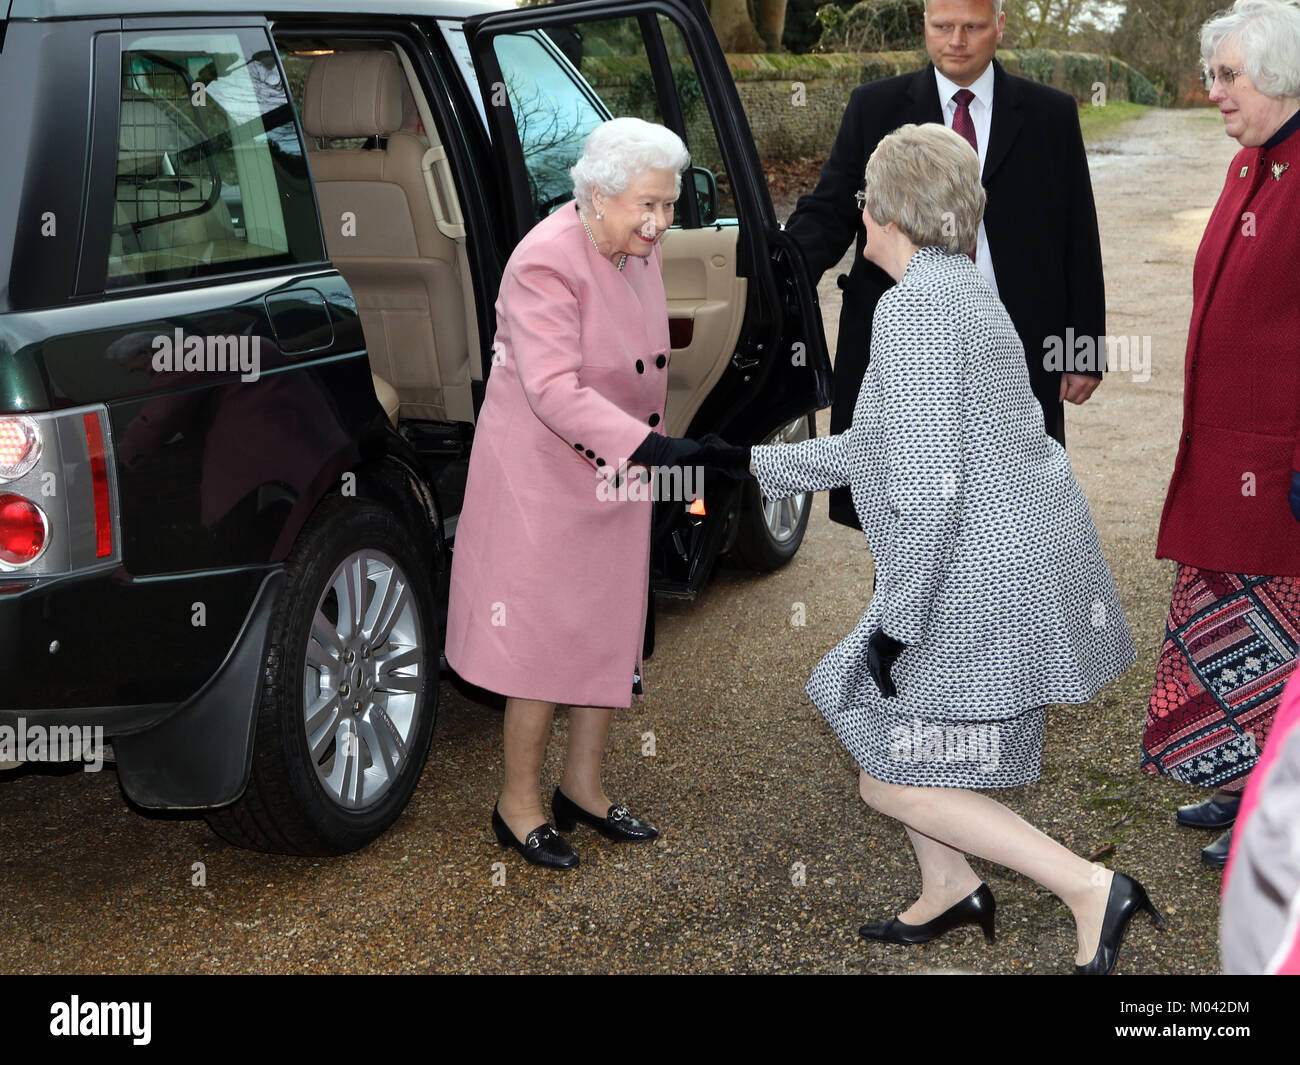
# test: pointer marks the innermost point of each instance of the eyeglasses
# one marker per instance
(1226, 78)
(861, 197)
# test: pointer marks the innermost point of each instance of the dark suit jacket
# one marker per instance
(1040, 222)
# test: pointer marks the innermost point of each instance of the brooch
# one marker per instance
(1279, 169)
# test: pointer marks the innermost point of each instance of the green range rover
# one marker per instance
(246, 317)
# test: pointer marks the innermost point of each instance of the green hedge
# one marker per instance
(1075, 72)
(766, 83)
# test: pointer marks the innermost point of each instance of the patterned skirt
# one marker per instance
(901, 748)
(1230, 645)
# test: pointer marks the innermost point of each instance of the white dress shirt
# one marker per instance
(981, 114)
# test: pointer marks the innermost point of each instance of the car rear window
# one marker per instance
(211, 174)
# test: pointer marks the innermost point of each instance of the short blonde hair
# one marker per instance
(926, 180)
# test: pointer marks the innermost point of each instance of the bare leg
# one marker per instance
(588, 733)
(527, 730)
(946, 878)
(973, 823)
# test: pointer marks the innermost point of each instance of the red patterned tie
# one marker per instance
(961, 123)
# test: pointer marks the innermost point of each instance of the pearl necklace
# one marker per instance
(592, 237)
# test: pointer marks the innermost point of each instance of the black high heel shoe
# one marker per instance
(544, 846)
(617, 824)
(1126, 897)
(976, 908)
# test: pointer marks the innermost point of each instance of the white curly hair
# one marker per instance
(618, 151)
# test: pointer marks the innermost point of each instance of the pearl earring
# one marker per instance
(599, 215)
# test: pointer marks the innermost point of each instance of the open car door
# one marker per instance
(749, 355)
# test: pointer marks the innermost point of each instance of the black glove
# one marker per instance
(717, 454)
(657, 450)
(882, 651)
(1294, 498)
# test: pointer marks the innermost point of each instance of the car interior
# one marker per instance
(394, 229)
(393, 226)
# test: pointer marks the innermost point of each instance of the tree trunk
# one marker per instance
(771, 22)
(734, 27)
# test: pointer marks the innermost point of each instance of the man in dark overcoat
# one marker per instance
(1038, 245)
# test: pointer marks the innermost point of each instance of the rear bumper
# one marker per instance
(193, 753)
(102, 648)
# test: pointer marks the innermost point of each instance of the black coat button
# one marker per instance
(600, 462)
(654, 419)
(640, 366)
(577, 447)
(661, 361)
(590, 454)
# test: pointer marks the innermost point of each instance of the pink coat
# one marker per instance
(549, 577)
(1260, 926)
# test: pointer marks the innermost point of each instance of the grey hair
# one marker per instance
(926, 180)
(997, 8)
(620, 150)
(1267, 34)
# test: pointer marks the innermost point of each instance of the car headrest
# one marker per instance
(353, 94)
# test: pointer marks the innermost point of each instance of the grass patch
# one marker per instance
(1099, 122)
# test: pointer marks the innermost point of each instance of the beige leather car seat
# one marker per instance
(381, 234)
(388, 398)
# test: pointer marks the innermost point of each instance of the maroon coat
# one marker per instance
(1227, 507)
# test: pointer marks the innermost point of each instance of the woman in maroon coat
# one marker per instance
(1230, 517)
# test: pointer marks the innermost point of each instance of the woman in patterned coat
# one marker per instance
(550, 572)
(992, 597)
(1234, 498)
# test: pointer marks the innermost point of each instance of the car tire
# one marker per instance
(768, 535)
(347, 707)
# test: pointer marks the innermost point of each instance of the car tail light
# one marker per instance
(23, 530)
(99, 482)
(58, 494)
(20, 447)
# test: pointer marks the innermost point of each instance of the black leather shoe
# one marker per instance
(1209, 814)
(975, 908)
(544, 846)
(617, 824)
(1217, 852)
(1126, 897)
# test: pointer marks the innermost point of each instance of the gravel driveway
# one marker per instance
(769, 861)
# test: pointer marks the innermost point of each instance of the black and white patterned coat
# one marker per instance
(988, 565)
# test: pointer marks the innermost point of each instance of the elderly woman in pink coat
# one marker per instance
(550, 576)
